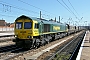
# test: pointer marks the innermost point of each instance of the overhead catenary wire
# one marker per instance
(64, 7)
(69, 9)
(7, 8)
(23, 9)
(73, 7)
(49, 12)
(31, 5)
(6, 15)
(13, 12)
(35, 7)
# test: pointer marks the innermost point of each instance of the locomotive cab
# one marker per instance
(26, 28)
(23, 29)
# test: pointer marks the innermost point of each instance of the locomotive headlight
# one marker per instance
(28, 36)
(16, 35)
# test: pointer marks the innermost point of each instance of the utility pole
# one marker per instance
(55, 19)
(59, 19)
(40, 14)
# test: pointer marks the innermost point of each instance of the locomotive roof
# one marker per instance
(39, 20)
(46, 21)
(23, 17)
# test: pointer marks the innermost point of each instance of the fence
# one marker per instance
(6, 29)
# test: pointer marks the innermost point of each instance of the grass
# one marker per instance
(62, 56)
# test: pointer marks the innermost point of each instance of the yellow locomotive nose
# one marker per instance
(24, 34)
(24, 29)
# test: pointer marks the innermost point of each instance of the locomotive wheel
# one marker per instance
(36, 43)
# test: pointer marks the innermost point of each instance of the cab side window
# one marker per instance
(36, 25)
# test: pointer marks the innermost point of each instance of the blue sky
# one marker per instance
(11, 9)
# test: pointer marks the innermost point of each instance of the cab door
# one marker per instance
(40, 28)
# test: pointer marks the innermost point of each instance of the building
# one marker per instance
(5, 24)
(12, 25)
(2, 23)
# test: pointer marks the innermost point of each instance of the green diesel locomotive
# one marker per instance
(34, 32)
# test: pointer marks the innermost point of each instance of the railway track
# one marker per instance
(6, 36)
(53, 52)
(10, 51)
(15, 53)
(68, 51)
(5, 39)
(36, 53)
